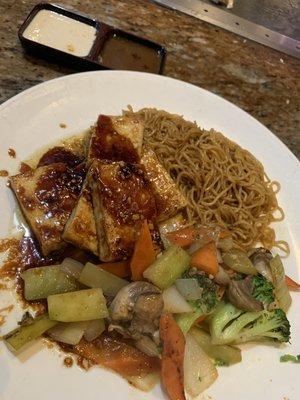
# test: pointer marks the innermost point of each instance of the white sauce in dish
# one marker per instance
(60, 32)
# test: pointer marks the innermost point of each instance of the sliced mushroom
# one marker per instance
(147, 346)
(260, 259)
(239, 294)
(135, 313)
(222, 278)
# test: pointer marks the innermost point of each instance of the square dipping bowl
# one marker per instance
(73, 38)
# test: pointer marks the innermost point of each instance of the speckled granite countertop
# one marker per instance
(260, 80)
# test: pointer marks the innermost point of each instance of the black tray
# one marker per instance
(134, 47)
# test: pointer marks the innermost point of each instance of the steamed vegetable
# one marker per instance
(83, 305)
(18, 338)
(71, 267)
(187, 320)
(225, 243)
(189, 288)
(203, 305)
(254, 293)
(231, 325)
(173, 343)
(262, 290)
(239, 261)
(117, 356)
(291, 284)
(222, 354)
(144, 382)
(209, 296)
(119, 268)
(168, 226)
(68, 332)
(94, 329)
(168, 267)
(143, 254)
(174, 302)
(281, 291)
(42, 282)
(95, 277)
(199, 370)
(205, 259)
(260, 259)
(290, 358)
(182, 237)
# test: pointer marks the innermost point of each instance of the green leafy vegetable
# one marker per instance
(290, 358)
(231, 325)
(262, 289)
(208, 299)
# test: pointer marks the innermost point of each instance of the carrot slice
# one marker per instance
(182, 237)
(117, 355)
(144, 253)
(172, 357)
(205, 259)
(120, 268)
(291, 284)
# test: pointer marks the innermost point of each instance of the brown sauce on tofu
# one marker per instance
(110, 145)
(126, 193)
(58, 189)
(59, 154)
(25, 168)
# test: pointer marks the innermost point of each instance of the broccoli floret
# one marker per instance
(229, 325)
(209, 297)
(262, 290)
(290, 358)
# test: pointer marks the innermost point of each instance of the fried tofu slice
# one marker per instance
(47, 196)
(169, 199)
(122, 199)
(80, 229)
(116, 139)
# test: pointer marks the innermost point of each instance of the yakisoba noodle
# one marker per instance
(225, 185)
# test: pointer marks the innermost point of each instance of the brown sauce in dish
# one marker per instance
(108, 144)
(120, 52)
(12, 153)
(3, 173)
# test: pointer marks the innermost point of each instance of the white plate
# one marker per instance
(31, 120)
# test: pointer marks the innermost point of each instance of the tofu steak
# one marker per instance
(116, 139)
(47, 196)
(122, 199)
